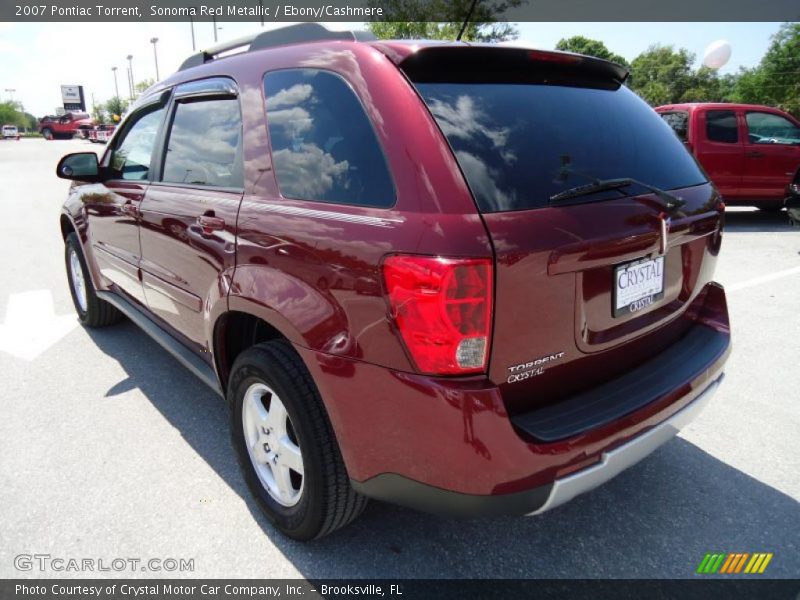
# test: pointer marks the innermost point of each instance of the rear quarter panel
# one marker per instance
(313, 269)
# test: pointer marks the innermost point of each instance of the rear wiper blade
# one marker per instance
(599, 185)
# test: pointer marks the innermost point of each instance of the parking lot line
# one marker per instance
(762, 279)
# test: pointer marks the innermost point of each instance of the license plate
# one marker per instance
(637, 285)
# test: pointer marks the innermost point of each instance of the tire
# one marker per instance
(92, 311)
(320, 499)
(47, 133)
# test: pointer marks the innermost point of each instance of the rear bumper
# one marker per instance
(449, 446)
(613, 462)
(400, 490)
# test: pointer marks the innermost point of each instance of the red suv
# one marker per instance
(469, 279)
(750, 152)
(66, 126)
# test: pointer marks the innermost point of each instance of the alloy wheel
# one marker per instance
(272, 444)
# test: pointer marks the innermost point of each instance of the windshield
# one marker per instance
(511, 140)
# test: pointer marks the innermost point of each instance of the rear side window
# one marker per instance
(512, 140)
(205, 142)
(323, 144)
(131, 157)
(721, 126)
(679, 121)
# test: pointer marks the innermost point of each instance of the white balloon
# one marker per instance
(717, 54)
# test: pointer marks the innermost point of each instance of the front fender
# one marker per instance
(73, 218)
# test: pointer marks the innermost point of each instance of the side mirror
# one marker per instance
(80, 166)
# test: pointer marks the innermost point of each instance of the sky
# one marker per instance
(39, 57)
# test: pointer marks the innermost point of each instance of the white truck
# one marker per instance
(10, 132)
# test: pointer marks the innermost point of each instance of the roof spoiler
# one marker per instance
(293, 34)
(503, 64)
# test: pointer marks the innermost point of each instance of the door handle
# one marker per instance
(755, 154)
(210, 223)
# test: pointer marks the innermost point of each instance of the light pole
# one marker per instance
(11, 93)
(116, 87)
(191, 24)
(155, 55)
(214, 20)
(130, 73)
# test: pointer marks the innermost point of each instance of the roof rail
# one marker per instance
(293, 34)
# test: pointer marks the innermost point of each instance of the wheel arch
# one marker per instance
(235, 331)
(67, 226)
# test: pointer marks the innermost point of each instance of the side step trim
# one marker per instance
(185, 356)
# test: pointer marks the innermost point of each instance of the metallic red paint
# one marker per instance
(312, 272)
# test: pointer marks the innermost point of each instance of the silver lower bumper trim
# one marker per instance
(613, 462)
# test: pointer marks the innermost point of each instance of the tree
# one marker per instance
(776, 80)
(12, 113)
(583, 45)
(31, 121)
(707, 86)
(115, 107)
(143, 85)
(662, 75)
(99, 113)
(442, 20)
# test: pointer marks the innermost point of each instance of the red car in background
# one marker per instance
(750, 152)
(63, 127)
(101, 134)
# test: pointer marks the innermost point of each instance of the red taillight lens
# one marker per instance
(443, 310)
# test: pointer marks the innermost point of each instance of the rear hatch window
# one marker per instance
(513, 139)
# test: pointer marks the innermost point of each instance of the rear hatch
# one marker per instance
(588, 283)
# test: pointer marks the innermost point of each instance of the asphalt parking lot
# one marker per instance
(110, 448)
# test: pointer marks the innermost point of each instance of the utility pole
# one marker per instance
(116, 87)
(155, 55)
(130, 73)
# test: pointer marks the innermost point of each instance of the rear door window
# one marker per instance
(679, 121)
(512, 140)
(721, 126)
(323, 144)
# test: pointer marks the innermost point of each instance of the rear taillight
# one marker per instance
(443, 310)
